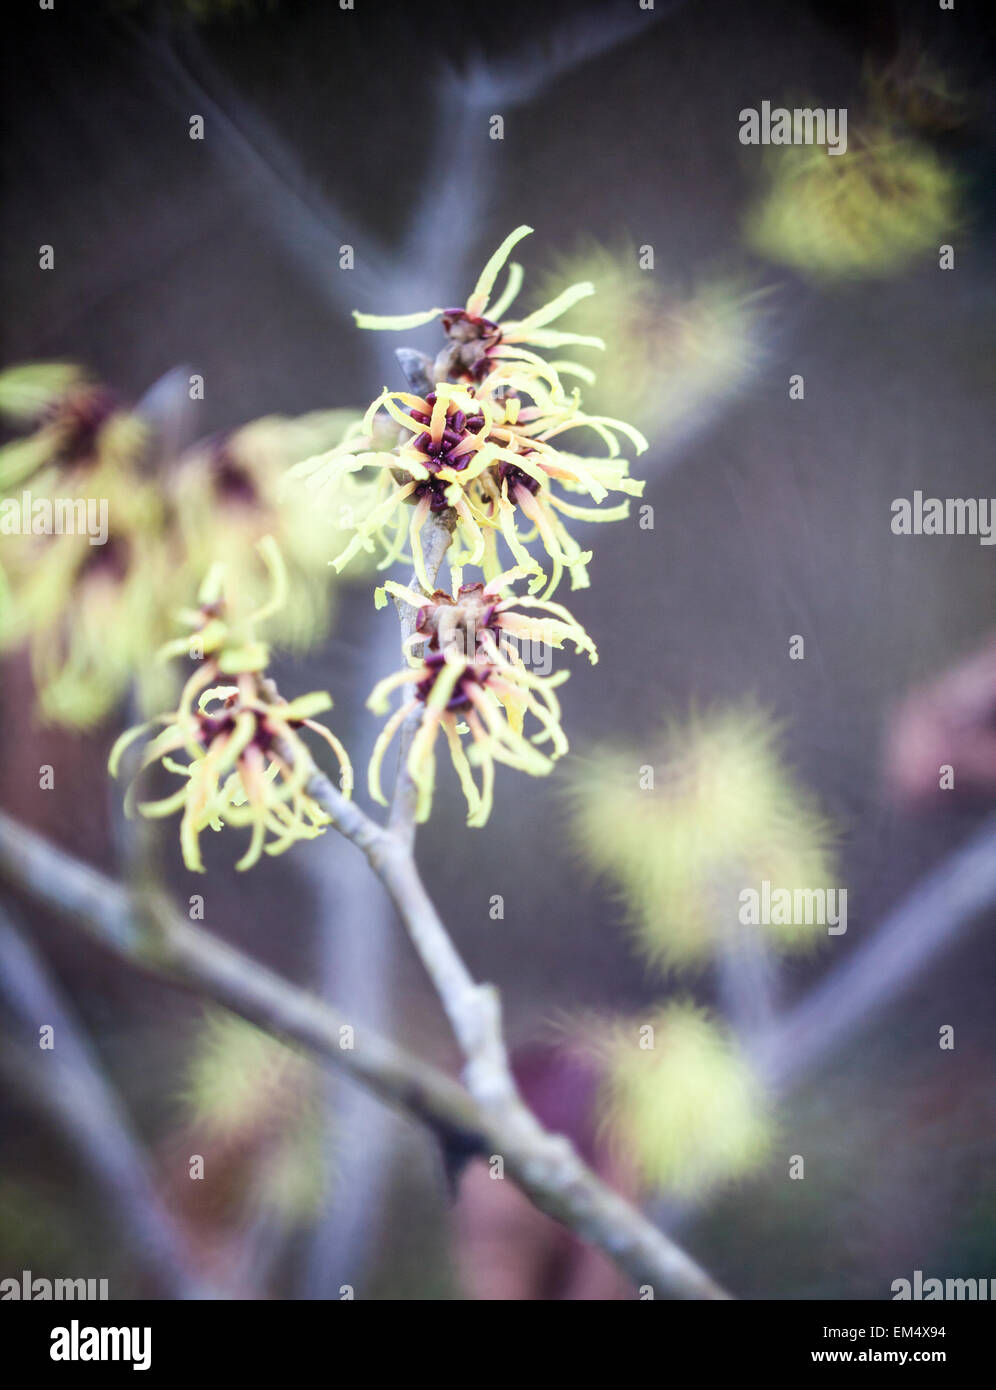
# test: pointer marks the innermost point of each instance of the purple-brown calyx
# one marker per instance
(515, 477)
(231, 480)
(465, 328)
(471, 339)
(471, 675)
(212, 726)
(80, 415)
(440, 455)
(110, 561)
(469, 614)
(456, 623)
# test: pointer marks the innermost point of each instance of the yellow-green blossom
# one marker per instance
(470, 679)
(680, 1103)
(869, 212)
(239, 1078)
(228, 493)
(30, 389)
(480, 336)
(484, 458)
(83, 440)
(90, 617)
(715, 812)
(246, 765)
(86, 602)
(255, 1105)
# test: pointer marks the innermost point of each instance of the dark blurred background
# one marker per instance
(327, 127)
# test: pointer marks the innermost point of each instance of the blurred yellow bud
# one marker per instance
(717, 812)
(679, 1102)
(671, 355)
(869, 213)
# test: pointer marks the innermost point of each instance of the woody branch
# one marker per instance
(148, 933)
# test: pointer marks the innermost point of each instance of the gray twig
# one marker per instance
(949, 898)
(69, 1083)
(493, 1121)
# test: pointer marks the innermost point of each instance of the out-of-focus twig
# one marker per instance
(747, 975)
(949, 898)
(492, 1120)
(782, 1053)
(301, 217)
(70, 1085)
(435, 542)
(587, 33)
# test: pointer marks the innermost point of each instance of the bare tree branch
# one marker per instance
(436, 540)
(950, 897)
(152, 935)
(305, 221)
(69, 1084)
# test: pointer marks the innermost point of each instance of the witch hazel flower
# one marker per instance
(245, 764)
(84, 440)
(246, 767)
(520, 495)
(88, 618)
(479, 336)
(469, 681)
(82, 572)
(481, 459)
(226, 493)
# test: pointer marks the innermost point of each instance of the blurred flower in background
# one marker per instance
(91, 616)
(869, 212)
(679, 1102)
(671, 354)
(251, 1107)
(93, 609)
(82, 434)
(720, 812)
(85, 569)
(229, 494)
(911, 87)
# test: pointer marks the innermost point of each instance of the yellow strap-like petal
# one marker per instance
(478, 301)
(512, 287)
(398, 322)
(550, 311)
